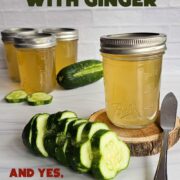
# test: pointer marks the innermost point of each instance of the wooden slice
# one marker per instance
(142, 142)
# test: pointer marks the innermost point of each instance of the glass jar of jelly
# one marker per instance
(132, 73)
(66, 48)
(11, 59)
(36, 60)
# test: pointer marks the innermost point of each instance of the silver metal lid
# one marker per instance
(39, 40)
(133, 43)
(65, 34)
(8, 35)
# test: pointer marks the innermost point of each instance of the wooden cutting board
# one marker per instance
(142, 142)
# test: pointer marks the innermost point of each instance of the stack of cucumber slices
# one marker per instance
(84, 146)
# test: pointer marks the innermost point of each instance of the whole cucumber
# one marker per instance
(80, 74)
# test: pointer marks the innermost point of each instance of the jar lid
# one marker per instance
(65, 34)
(39, 40)
(133, 43)
(8, 35)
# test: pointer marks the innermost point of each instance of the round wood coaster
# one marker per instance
(142, 142)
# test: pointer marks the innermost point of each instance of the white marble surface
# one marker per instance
(84, 101)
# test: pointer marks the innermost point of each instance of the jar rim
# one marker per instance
(133, 43)
(8, 35)
(39, 40)
(63, 33)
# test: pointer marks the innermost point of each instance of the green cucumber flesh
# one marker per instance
(89, 70)
(65, 124)
(81, 157)
(76, 132)
(73, 124)
(80, 121)
(38, 134)
(124, 162)
(91, 128)
(54, 119)
(68, 114)
(110, 155)
(17, 96)
(39, 98)
(27, 133)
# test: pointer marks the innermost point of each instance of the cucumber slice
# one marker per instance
(39, 98)
(50, 142)
(67, 114)
(52, 139)
(81, 157)
(17, 96)
(51, 121)
(80, 121)
(125, 159)
(57, 136)
(38, 134)
(54, 119)
(76, 132)
(65, 124)
(27, 133)
(91, 128)
(110, 155)
(61, 151)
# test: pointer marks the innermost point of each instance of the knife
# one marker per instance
(167, 123)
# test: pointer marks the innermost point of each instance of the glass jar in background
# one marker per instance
(66, 48)
(8, 36)
(132, 73)
(36, 60)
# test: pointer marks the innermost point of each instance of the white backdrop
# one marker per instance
(94, 22)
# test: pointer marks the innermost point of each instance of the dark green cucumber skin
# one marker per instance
(73, 132)
(50, 142)
(95, 144)
(51, 121)
(62, 125)
(86, 130)
(39, 103)
(60, 155)
(15, 101)
(54, 120)
(72, 129)
(26, 133)
(70, 156)
(74, 158)
(67, 80)
(34, 136)
(56, 137)
(61, 139)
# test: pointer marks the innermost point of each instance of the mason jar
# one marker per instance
(8, 36)
(132, 73)
(36, 60)
(66, 48)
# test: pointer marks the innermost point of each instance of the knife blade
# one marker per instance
(168, 112)
(167, 123)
